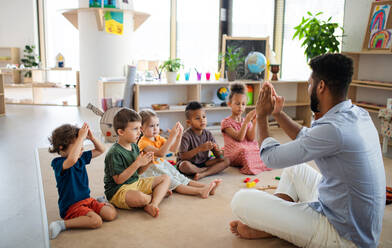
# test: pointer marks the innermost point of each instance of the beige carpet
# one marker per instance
(184, 221)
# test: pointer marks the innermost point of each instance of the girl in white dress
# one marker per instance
(151, 141)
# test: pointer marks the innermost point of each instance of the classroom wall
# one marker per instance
(18, 23)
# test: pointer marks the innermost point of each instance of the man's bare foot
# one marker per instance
(217, 182)
(205, 192)
(241, 230)
(169, 193)
(152, 210)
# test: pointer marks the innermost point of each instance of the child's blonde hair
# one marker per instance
(237, 88)
(146, 115)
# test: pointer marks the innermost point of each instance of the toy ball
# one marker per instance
(222, 93)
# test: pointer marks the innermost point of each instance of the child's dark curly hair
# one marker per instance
(237, 88)
(62, 137)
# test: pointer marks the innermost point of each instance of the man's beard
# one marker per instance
(314, 101)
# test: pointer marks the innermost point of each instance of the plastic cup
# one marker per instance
(208, 75)
(178, 76)
(198, 75)
(217, 76)
(187, 75)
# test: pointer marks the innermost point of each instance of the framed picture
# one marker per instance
(247, 46)
(378, 34)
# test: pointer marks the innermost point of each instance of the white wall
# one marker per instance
(18, 23)
(356, 16)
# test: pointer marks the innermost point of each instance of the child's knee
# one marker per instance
(95, 221)
(184, 166)
(112, 214)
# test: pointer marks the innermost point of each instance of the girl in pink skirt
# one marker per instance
(239, 134)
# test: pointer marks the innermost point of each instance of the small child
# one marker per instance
(123, 165)
(76, 207)
(151, 141)
(195, 145)
(239, 134)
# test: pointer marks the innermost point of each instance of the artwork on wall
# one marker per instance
(114, 22)
(380, 39)
(379, 31)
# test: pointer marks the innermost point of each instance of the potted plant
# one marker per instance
(29, 60)
(232, 58)
(319, 35)
(171, 66)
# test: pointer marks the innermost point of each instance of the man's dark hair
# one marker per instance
(335, 70)
(124, 116)
(191, 107)
(62, 137)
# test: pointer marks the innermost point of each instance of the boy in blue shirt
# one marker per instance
(76, 207)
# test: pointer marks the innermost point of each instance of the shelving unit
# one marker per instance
(364, 79)
(146, 93)
(40, 88)
(9, 55)
(372, 80)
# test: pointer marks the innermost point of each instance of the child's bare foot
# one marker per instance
(241, 230)
(206, 190)
(169, 193)
(217, 182)
(152, 210)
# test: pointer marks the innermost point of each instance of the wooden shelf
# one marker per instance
(29, 85)
(375, 52)
(72, 16)
(372, 84)
(369, 107)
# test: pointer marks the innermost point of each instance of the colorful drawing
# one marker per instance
(114, 22)
(380, 39)
(379, 17)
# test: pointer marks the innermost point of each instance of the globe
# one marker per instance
(256, 62)
(222, 93)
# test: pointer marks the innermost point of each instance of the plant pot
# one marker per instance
(171, 76)
(231, 75)
(27, 80)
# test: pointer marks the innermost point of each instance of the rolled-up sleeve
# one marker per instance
(310, 144)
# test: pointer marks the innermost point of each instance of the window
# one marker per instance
(294, 64)
(152, 39)
(253, 18)
(197, 34)
(60, 35)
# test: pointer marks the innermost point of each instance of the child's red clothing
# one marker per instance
(245, 153)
